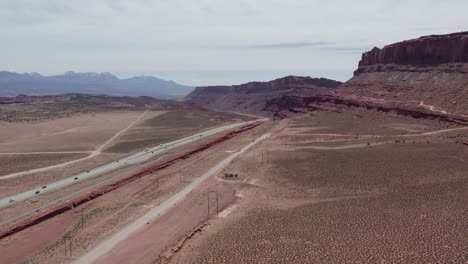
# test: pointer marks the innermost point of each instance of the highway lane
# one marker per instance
(46, 152)
(109, 167)
(92, 154)
(106, 246)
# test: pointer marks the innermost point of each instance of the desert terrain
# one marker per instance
(147, 192)
(40, 151)
(316, 192)
(295, 170)
(322, 187)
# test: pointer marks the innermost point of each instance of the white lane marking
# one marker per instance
(93, 154)
(101, 170)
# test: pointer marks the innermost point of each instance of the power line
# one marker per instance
(212, 201)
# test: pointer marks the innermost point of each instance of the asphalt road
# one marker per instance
(107, 245)
(112, 166)
(91, 153)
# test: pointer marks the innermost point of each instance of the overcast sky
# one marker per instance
(205, 42)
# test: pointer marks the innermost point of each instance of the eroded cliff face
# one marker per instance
(424, 51)
(430, 73)
(252, 97)
(425, 77)
(422, 78)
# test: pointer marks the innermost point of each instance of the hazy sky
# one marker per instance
(201, 42)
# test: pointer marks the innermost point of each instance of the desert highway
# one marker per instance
(154, 213)
(92, 154)
(109, 167)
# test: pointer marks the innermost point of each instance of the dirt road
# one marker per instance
(107, 245)
(44, 152)
(109, 167)
(92, 154)
(364, 145)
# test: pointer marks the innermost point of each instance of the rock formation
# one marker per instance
(422, 78)
(424, 51)
(428, 72)
(425, 77)
(252, 97)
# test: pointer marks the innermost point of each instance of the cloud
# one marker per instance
(347, 49)
(291, 45)
(303, 36)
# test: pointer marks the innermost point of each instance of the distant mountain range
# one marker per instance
(12, 84)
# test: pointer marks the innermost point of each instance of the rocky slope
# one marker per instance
(429, 72)
(252, 97)
(423, 78)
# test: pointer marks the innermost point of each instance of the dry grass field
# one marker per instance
(88, 132)
(26, 109)
(43, 131)
(397, 202)
(13, 163)
(109, 213)
(39, 144)
(354, 187)
(77, 133)
(30, 145)
(162, 128)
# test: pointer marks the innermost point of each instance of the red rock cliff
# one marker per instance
(424, 51)
(429, 72)
(251, 97)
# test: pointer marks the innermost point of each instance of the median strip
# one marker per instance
(99, 191)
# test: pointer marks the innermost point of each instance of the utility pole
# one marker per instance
(67, 239)
(157, 179)
(212, 201)
(264, 157)
(182, 178)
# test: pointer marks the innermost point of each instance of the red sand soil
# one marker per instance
(59, 209)
(35, 240)
(169, 232)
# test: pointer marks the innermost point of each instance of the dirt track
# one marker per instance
(140, 193)
(296, 200)
(91, 155)
(154, 213)
(395, 202)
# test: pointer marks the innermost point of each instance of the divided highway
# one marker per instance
(91, 153)
(112, 166)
